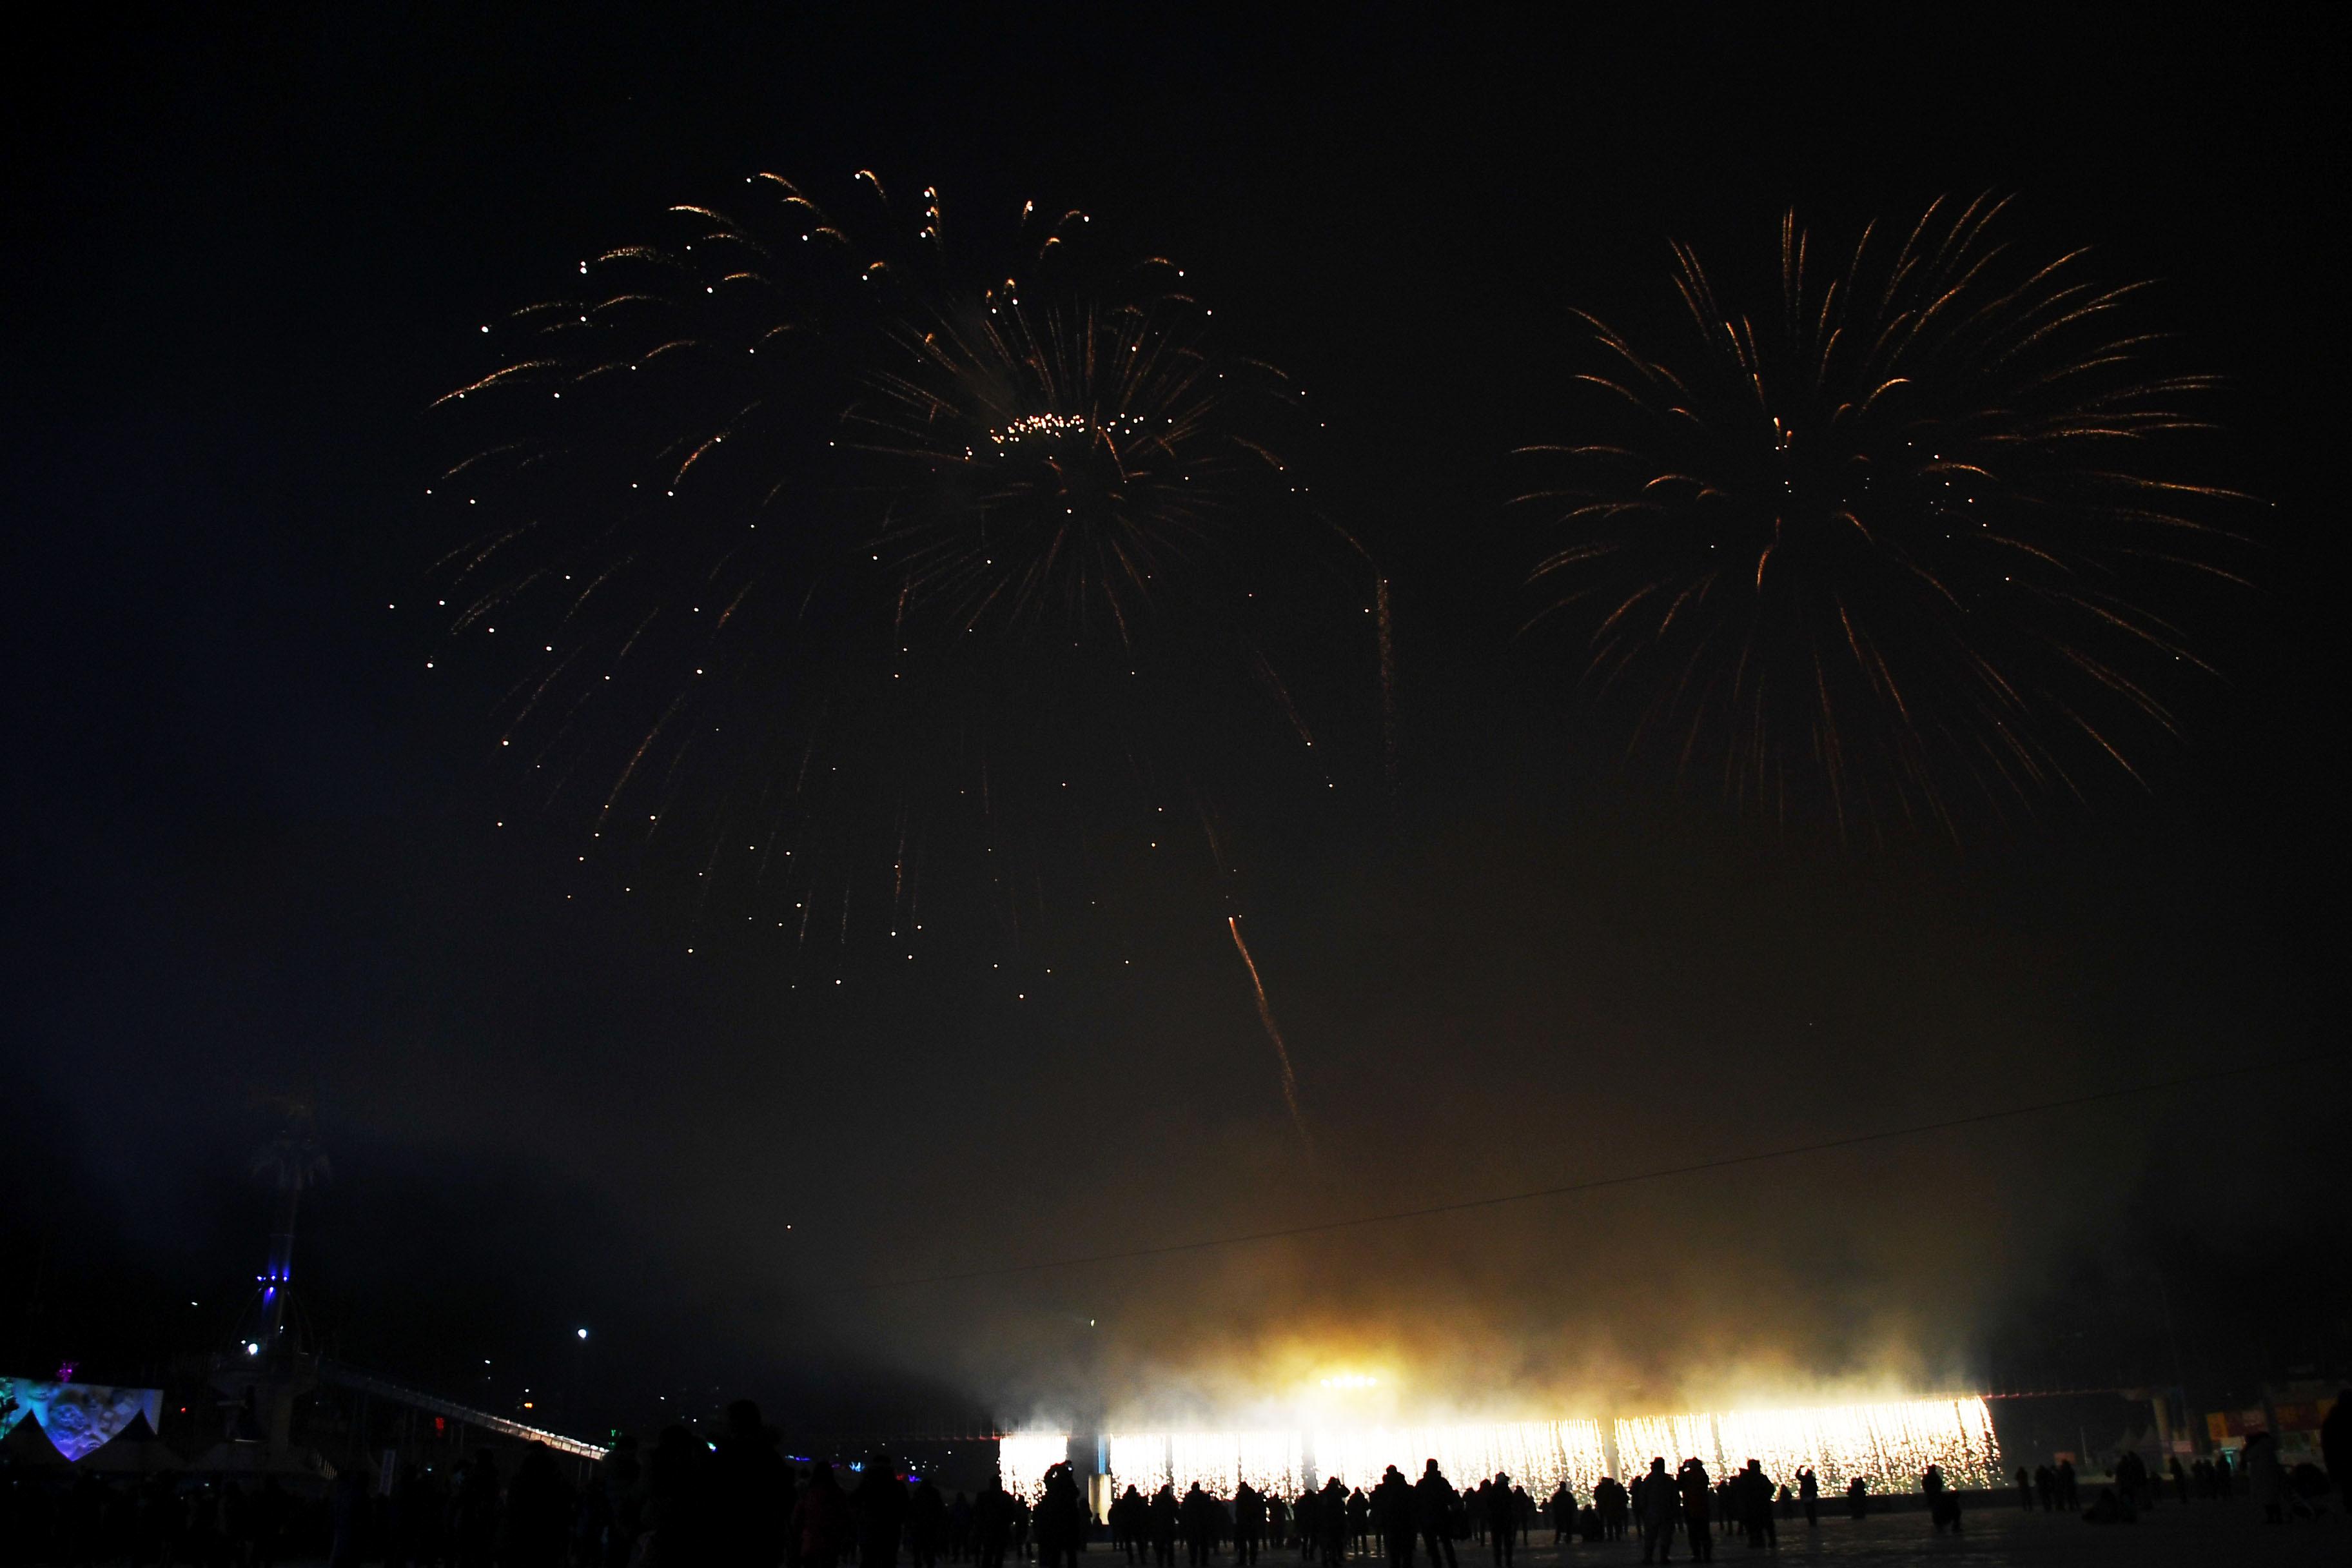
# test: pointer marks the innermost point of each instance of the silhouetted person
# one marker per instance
(1660, 1503)
(347, 1501)
(1130, 1523)
(926, 1523)
(2336, 1446)
(2070, 1488)
(1809, 1492)
(1393, 1509)
(1697, 1500)
(822, 1519)
(1857, 1496)
(1167, 1523)
(1611, 1499)
(992, 1525)
(751, 1501)
(1359, 1520)
(1434, 1506)
(880, 1505)
(1061, 1518)
(2266, 1477)
(1943, 1505)
(1503, 1528)
(1331, 1521)
(1754, 1489)
(1249, 1522)
(538, 1526)
(477, 1510)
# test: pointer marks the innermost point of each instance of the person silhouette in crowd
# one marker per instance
(1129, 1524)
(2130, 1476)
(539, 1513)
(477, 1510)
(1393, 1509)
(1331, 1522)
(750, 1493)
(1697, 1496)
(2024, 1488)
(1167, 1521)
(1061, 1518)
(2336, 1446)
(1433, 1508)
(2179, 1478)
(1943, 1504)
(1502, 1529)
(959, 1529)
(1857, 1497)
(1197, 1517)
(880, 1506)
(1249, 1522)
(2070, 1486)
(1660, 1504)
(1809, 1492)
(822, 1519)
(1755, 1489)
(2266, 1477)
(926, 1523)
(347, 1501)
(992, 1524)
(1359, 1522)
(1616, 1510)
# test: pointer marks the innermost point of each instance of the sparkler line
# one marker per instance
(1597, 1183)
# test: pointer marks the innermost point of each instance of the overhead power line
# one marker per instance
(1597, 1183)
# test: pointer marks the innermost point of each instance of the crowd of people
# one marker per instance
(731, 1499)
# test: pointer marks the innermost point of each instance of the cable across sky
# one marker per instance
(1597, 1183)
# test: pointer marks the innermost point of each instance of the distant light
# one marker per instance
(581, 1332)
(251, 1348)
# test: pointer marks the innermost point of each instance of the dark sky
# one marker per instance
(253, 852)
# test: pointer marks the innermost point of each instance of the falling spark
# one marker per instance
(1272, 1033)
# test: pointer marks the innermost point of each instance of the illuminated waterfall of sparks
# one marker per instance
(1024, 1457)
(1272, 1033)
(1889, 1444)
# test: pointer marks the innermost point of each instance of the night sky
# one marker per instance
(253, 848)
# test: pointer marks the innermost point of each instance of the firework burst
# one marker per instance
(1889, 543)
(842, 558)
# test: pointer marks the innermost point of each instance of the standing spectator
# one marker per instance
(1433, 1508)
(1697, 1498)
(2266, 1477)
(2336, 1446)
(1661, 1506)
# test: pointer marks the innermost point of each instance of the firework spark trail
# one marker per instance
(1272, 1033)
(1890, 542)
(866, 549)
(1388, 683)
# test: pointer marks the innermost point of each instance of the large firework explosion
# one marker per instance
(1891, 544)
(852, 569)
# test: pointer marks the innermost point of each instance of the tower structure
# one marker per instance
(271, 1362)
